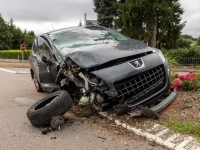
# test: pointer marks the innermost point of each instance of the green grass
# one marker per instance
(188, 127)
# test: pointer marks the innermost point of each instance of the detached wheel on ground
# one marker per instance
(37, 84)
(57, 103)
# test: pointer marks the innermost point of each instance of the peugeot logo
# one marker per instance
(137, 63)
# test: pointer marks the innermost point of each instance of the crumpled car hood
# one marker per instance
(95, 55)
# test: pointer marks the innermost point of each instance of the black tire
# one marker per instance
(57, 103)
(37, 84)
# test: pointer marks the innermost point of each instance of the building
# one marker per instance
(89, 22)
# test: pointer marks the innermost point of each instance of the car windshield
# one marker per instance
(68, 40)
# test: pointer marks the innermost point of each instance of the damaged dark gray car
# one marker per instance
(102, 68)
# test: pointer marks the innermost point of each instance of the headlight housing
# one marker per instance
(160, 54)
(94, 80)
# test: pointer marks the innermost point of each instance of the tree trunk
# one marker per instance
(153, 26)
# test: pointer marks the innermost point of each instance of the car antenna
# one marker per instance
(52, 27)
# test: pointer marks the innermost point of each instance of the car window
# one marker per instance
(43, 48)
(34, 47)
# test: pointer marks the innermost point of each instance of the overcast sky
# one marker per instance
(44, 15)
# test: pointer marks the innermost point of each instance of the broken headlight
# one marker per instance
(94, 80)
(73, 66)
(160, 54)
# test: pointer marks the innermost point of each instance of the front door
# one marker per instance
(46, 74)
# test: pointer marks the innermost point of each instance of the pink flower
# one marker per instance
(191, 71)
(191, 79)
(188, 75)
(176, 84)
(181, 77)
(180, 90)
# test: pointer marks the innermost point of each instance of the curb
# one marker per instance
(159, 134)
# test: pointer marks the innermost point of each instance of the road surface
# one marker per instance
(16, 133)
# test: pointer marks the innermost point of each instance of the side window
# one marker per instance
(34, 47)
(43, 48)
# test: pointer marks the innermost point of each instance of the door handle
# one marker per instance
(32, 60)
(38, 64)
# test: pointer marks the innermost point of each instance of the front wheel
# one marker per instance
(57, 103)
(37, 84)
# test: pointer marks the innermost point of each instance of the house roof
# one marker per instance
(92, 22)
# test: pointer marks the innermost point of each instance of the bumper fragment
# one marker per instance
(152, 112)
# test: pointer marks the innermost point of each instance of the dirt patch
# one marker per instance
(14, 65)
(185, 107)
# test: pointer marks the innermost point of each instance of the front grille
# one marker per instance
(141, 86)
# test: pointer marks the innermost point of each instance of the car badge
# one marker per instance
(137, 63)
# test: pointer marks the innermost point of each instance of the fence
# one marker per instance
(188, 61)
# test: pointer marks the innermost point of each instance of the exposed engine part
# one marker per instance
(84, 100)
(76, 69)
(99, 98)
(64, 82)
(85, 79)
(94, 80)
(57, 122)
(72, 78)
(94, 103)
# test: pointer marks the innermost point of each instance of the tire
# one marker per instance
(37, 84)
(57, 103)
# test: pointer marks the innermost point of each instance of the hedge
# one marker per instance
(193, 51)
(14, 54)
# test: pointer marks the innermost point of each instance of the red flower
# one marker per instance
(192, 86)
(181, 77)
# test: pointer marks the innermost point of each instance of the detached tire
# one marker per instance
(57, 103)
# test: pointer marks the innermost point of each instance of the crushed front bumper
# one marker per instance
(152, 112)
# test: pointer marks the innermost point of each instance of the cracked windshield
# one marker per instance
(70, 39)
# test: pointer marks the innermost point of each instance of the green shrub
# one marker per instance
(193, 51)
(14, 54)
(171, 61)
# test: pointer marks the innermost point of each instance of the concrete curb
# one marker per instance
(160, 135)
(14, 61)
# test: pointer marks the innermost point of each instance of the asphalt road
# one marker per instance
(18, 93)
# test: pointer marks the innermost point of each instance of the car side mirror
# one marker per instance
(45, 60)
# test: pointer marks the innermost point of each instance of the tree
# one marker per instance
(198, 41)
(184, 42)
(28, 39)
(17, 35)
(5, 35)
(105, 12)
(186, 36)
(154, 21)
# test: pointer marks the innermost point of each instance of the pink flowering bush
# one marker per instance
(188, 82)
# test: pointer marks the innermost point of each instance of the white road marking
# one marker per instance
(15, 72)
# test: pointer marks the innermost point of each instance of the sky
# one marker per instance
(46, 15)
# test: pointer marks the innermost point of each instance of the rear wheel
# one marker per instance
(57, 103)
(37, 84)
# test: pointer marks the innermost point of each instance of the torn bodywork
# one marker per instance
(105, 69)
